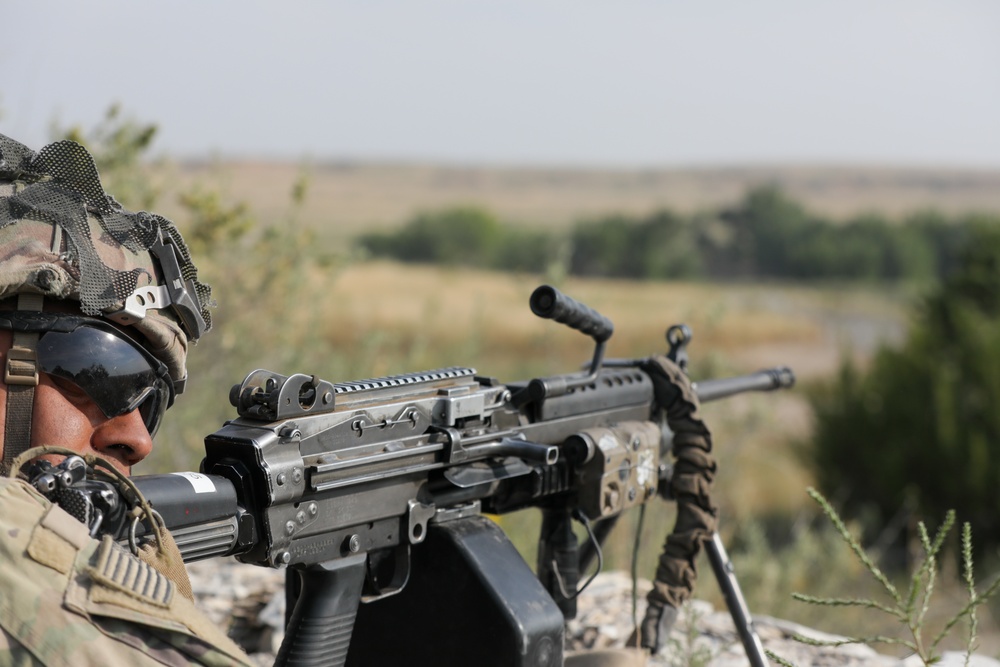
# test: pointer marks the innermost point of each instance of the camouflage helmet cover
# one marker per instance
(63, 237)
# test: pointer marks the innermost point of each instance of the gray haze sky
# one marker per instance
(577, 83)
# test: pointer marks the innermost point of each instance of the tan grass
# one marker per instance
(452, 310)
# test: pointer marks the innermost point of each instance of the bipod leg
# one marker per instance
(724, 574)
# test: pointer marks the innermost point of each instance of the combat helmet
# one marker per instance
(63, 237)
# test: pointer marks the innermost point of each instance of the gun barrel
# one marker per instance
(768, 379)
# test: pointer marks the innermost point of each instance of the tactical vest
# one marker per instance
(68, 599)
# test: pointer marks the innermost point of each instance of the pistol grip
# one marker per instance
(319, 631)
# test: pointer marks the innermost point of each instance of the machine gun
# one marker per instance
(372, 494)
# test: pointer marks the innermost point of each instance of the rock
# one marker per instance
(249, 602)
(953, 659)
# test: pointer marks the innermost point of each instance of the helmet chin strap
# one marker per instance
(21, 378)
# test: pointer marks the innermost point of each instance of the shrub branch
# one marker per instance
(913, 610)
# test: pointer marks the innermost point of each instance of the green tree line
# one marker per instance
(765, 235)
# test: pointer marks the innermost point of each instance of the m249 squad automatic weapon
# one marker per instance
(372, 494)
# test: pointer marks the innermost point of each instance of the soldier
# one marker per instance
(97, 306)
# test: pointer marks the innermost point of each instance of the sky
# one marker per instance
(623, 83)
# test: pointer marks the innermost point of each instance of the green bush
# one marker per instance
(601, 247)
(919, 428)
(769, 235)
(765, 230)
(457, 236)
(661, 246)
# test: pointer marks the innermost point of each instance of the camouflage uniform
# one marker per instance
(71, 600)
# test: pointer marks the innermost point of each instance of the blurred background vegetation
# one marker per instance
(765, 236)
(891, 322)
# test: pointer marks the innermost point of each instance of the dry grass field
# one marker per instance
(346, 199)
(484, 315)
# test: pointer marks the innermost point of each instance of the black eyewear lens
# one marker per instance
(117, 373)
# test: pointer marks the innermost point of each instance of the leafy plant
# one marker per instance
(909, 607)
(687, 649)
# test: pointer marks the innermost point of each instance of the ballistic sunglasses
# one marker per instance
(114, 370)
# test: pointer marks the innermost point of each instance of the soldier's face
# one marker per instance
(64, 415)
